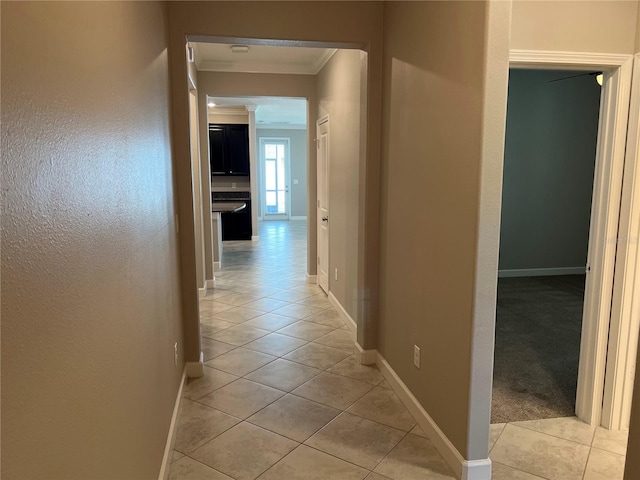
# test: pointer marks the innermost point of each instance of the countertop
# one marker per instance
(222, 207)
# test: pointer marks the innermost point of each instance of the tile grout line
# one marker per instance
(548, 434)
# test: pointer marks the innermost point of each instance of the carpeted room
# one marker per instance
(552, 125)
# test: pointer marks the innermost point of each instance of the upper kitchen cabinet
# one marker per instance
(229, 149)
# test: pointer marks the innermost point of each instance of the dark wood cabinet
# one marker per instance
(229, 149)
(237, 225)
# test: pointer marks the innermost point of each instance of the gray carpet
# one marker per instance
(538, 325)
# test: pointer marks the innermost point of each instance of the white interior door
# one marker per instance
(275, 169)
(323, 202)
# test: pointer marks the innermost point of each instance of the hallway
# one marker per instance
(282, 395)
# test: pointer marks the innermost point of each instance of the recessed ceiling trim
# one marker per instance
(280, 126)
(322, 61)
(255, 67)
(274, 43)
(228, 111)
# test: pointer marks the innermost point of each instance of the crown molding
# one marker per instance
(280, 126)
(228, 111)
(254, 67)
(324, 58)
(533, 59)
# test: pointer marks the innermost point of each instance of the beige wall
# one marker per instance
(90, 299)
(226, 118)
(574, 26)
(298, 164)
(354, 24)
(638, 30)
(338, 92)
(433, 144)
(197, 188)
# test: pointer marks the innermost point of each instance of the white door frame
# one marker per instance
(263, 188)
(605, 213)
(623, 336)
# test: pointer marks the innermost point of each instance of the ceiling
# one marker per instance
(272, 112)
(218, 57)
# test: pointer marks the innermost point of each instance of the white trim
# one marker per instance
(351, 323)
(173, 430)
(476, 469)
(467, 470)
(298, 217)
(195, 369)
(202, 291)
(605, 219)
(312, 279)
(254, 67)
(605, 212)
(255, 238)
(280, 126)
(324, 58)
(366, 357)
(625, 314)
(211, 283)
(217, 266)
(561, 60)
(540, 272)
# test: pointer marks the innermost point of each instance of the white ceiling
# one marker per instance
(272, 112)
(218, 57)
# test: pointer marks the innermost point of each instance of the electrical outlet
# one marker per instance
(336, 275)
(233, 185)
(416, 356)
(295, 181)
(175, 354)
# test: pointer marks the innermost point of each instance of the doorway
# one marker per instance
(604, 221)
(549, 162)
(276, 178)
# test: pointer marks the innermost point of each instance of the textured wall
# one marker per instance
(338, 91)
(438, 145)
(90, 303)
(550, 154)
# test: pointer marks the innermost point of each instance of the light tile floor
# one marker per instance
(283, 396)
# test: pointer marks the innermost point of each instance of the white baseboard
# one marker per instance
(366, 357)
(464, 469)
(171, 437)
(476, 469)
(210, 283)
(351, 323)
(255, 238)
(202, 291)
(195, 369)
(312, 278)
(217, 266)
(298, 217)
(540, 272)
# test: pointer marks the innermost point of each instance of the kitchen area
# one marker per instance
(229, 160)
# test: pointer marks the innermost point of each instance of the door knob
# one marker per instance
(325, 219)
